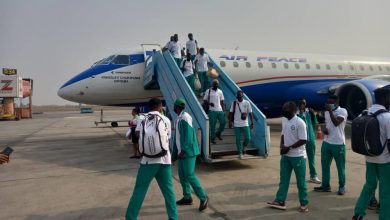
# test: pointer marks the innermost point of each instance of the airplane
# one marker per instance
(268, 78)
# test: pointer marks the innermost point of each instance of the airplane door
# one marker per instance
(148, 51)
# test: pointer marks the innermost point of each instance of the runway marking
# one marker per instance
(341, 208)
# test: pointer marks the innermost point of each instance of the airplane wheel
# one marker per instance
(114, 124)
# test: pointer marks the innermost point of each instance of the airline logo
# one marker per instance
(7, 85)
(265, 58)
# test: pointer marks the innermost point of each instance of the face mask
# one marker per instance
(333, 106)
(287, 114)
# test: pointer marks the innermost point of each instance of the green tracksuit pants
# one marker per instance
(204, 81)
(178, 61)
(215, 116)
(328, 152)
(146, 173)
(311, 153)
(287, 165)
(188, 178)
(373, 173)
(191, 81)
(247, 137)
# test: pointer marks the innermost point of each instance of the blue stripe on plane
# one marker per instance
(99, 69)
(93, 71)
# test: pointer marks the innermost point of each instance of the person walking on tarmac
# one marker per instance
(186, 149)
(214, 99)
(188, 68)
(192, 46)
(238, 116)
(378, 167)
(137, 118)
(155, 166)
(292, 149)
(202, 63)
(333, 145)
(311, 122)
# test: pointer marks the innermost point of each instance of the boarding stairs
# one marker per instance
(162, 73)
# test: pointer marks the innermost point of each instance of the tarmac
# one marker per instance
(64, 167)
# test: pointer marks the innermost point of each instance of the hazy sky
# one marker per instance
(53, 40)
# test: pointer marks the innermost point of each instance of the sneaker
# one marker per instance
(378, 208)
(373, 204)
(241, 156)
(277, 205)
(357, 217)
(184, 201)
(213, 142)
(203, 204)
(303, 208)
(315, 180)
(341, 191)
(322, 189)
(219, 137)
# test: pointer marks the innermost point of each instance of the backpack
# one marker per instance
(151, 144)
(366, 134)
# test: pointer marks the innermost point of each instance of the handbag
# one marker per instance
(244, 115)
(206, 106)
(197, 83)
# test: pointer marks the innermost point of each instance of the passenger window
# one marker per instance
(351, 67)
(260, 64)
(307, 66)
(235, 64)
(273, 65)
(222, 63)
(340, 67)
(327, 66)
(248, 65)
(318, 66)
(371, 68)
(297, 66)
(380, 68)
(121, 59)
(285, 65)
(362, 68)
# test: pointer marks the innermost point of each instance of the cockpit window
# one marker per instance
(104, 61)
(121, 59)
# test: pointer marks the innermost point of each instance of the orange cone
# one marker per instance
(320, 136)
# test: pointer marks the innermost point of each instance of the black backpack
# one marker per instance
(366, 134)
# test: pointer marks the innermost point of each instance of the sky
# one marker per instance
(53, 40)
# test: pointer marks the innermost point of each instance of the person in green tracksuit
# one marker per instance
(378, 167)
(175, 48)
(333, 145)
(215, 100)
(202, 63)
(158, 168)
(311, 122)
(186, 149)
(188, 68)
(292, 149)
(240, 110)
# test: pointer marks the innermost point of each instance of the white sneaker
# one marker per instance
(241, 156)
(315, 180)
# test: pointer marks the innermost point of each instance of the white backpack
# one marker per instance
(153, 129)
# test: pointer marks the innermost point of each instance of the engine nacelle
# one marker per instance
(358, 95)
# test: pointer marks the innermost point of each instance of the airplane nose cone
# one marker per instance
(61, 93)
